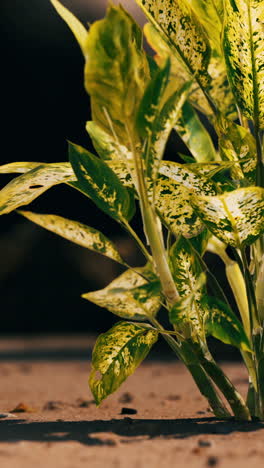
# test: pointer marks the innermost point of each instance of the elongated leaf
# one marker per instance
(236, 218)
(223, 324)
(210, 13)
(76, 232)
(173, 194)
(183, 33)
(99, 182)
(129, 296)
(237, 144)
(150, 102)
(187, 272)
(243, 42)
(194, 135)
(163, 126)
(19, 167)
(116, 71)
(218, 88)
(106, 145)
(74, 24)
(25, 188)
(159, 122)
(116, 355)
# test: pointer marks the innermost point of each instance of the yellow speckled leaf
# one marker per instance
(173, 195)
(74, 24)
(182, 31)
(243, 41)
(236, 218)
(19, 167)
(25, 188)
(236, 143)
(116, 355)
(187, 273)
(129, 296)
(116, 71)
(218, 88)
(210, 14)
(76, 232)
(106, 145)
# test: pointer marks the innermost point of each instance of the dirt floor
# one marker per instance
(157, 419)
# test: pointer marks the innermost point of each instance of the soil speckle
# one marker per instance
(126, 398)
(125, 410)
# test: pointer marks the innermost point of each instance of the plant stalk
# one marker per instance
(202, 380)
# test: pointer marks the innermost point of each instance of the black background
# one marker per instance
(43, 105)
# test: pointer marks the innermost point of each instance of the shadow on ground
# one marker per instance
(85, 431)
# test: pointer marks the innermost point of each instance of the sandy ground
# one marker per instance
(157, 418)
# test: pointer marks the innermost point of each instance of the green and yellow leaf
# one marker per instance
(197, 139)
(76, 232)
(236, 218)
(210, 14)
(129, 296)
(190, 282)
(24, 189)
(106, 145)
(116, 355)
(116, 71)
(236, 143)
(223, 324)
(74, 24)
(183, 33)
(243, 43)
(97, 180)
(19, 167)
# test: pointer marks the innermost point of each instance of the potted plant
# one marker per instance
(209, 60)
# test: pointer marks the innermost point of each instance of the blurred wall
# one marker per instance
(43, 105)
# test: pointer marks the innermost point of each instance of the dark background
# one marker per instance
(43, 104)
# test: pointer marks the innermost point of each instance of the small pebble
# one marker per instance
(204, 443)
(128, 411)
(212, 461)
(173, 397)
(23, 408)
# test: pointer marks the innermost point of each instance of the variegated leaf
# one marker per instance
(237, 144)
(223, 324)
(163, 126)
(116, 355)
(116, 71)
(96, 180)
(74, 24)
(243, 42)
(236, 218)
(210, 13)
(20, 167)
(173, 195)
(190, 128)
(25, 188)
(190, 282)
(106, 145)
(129, 296)
(183, 33)
(76, 232)
(155, 122)
(218, 88)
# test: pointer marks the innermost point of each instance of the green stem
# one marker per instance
(240, 410)
(252, 303)
(260, 166)
(152, 228)
(202, 380)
